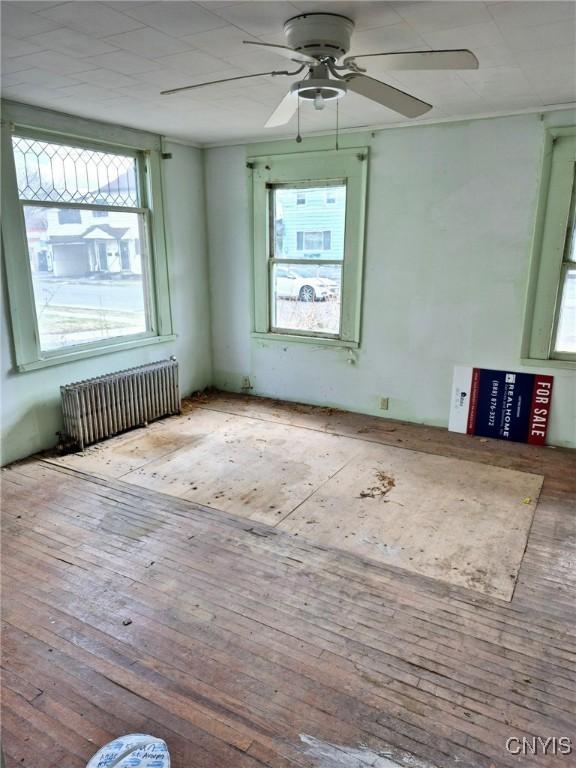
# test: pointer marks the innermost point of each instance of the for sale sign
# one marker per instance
(501, 404)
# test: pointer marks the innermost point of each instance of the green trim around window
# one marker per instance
(552, 219)
(311, 168)
(46, 125)
(102, 348)
(71, 126)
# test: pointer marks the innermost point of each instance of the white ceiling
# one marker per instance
(110, 60)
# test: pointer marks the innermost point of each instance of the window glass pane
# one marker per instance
(566, 332)
(88, 276)
(311, 231)
(306, 298)
(56, 172)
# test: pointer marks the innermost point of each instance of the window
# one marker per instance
(306, 297)
(314, 241)
(84, 247)
(86, 296)
(68, 216)
(552, 312)
(308, 260)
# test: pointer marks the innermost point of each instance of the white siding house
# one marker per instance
(86, 242)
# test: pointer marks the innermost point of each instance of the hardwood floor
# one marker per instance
(128, 610)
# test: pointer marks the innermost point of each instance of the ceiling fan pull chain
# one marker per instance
(337, 122)
(298, 137)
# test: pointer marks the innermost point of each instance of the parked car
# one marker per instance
(291, 285)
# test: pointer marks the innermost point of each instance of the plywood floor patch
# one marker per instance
(450, 519)
(251, 468)
(459, 521)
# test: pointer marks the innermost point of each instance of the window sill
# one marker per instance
(81, 354)
(549, 363)
(317, 341)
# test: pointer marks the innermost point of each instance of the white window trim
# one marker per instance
(34, 122)
(552, 219)
(349, 165)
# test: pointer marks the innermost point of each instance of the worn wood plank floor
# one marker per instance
(128, 610)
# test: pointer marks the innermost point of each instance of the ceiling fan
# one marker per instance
(318, 42)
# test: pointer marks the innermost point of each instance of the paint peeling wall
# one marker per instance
(451, 211)
(31, 412)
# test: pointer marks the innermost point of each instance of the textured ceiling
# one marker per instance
(110, 60)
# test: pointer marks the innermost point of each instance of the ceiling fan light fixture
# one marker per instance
(319, 91)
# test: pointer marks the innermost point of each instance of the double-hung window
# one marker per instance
(308, 257)
(83, 241)
(551, 317)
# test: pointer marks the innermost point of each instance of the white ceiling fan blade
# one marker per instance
(217, 82)
(461, 59)
(390, 97)
(284, 111)
(284, 50)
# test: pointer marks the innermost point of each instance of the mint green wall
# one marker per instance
(450, 215)
(451, 210)
(31, 401)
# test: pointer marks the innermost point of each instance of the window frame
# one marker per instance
(556, 197)
(310, 169)
(146, 149)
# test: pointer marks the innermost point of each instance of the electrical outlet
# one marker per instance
(383, 403)
(246, 384)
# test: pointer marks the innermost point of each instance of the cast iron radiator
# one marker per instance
(106, 405)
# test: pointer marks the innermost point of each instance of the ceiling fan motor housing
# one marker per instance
(322, 35)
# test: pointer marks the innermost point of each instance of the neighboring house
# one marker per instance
(74, 242)
(86, 245)
(310, 224)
